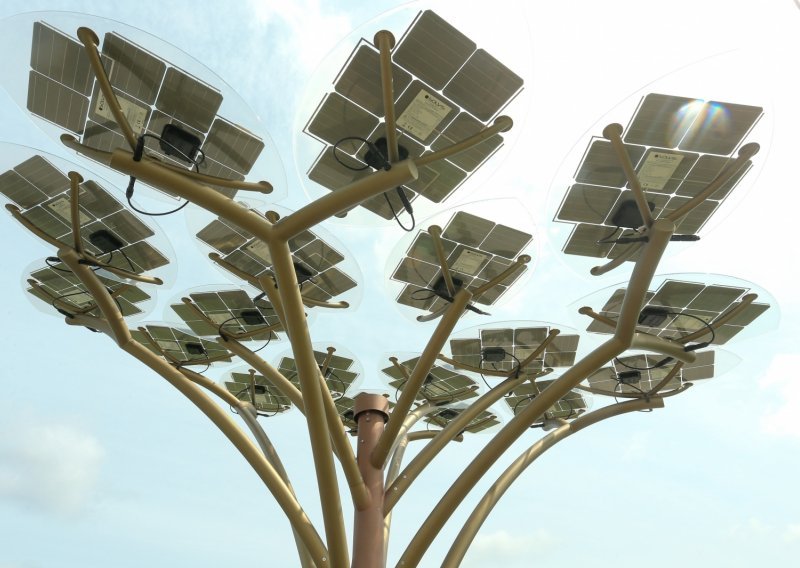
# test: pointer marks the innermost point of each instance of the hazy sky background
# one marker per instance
(102, 463)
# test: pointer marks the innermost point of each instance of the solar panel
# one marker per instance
(441, 384)
(445, 90)
(152, 93)
(179, 347)
(571, 405)
(258, 391)
(58, 287)
(476, 249)
(685, 307)
(503, 349)
(230, 311)
(316, 262)
(442, 418)
(339, 374)
(108, 230)
(677, 146)
(641, 373)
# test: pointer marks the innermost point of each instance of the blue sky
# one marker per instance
(102, 463)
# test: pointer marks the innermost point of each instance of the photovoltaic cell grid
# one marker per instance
(226, 308)
(677, 146)
(440, 384)
(267, 398)
(42, 192)
(179, 346)
(477, 250)
(339, 378)
(152, 93)
(606, 378)
(481, 422)
(311, 255)
(568, 406)
(339, 375)
(58, 287)
(446, 89)
(684, 300)
(518, 344)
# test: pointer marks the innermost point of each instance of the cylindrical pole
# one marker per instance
(371, 413)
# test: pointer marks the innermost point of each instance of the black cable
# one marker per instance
(687, 348)
(338, 380)
(137, 156)
(605, 239)
(133, 269)
(446, 297)
(385, 165)
(520, 401)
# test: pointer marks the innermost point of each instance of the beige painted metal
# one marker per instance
(384, 41)
(613, 133)
(473, 524)
(17, 214)
(643, 272)
(515, 266)
(654, 343)
(746, 300)
(398, 451)
(435, 231)
(587, 311)
(745, 153)
(625, 255)
(120, 333)
(455, 427)
(424, 364)
(308, 376)
(345, 199)
(370, 412)
(90, 42)
(75, 180)
(500, 124)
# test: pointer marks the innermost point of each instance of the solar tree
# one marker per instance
(403, 121)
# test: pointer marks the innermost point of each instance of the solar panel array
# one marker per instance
(481, 422)
(180, 347)
(477, 250)
(441, 384)
(267, 399)
(314, 259)
(689, 305)
(151, 92)
(650, 373)
(568, 406)
(445, 90)
(57, 286)
(42, 192)
(231, 311)
(339, 375)
(517, 344)
(677, 146)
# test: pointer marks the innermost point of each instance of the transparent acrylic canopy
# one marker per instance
(36, 186)
(678, 140)
(450, 79)
(160, 90)
(480, 241)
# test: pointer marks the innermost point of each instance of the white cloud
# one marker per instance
(792, 533)
(309, 28)
(48, 466)
(509, 550)
(636, 446)
(781, 378)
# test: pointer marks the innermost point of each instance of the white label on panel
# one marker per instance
(657, 169)
(260, 250)
(62, 208)
(469, 262)
(423, 115)
(135, 114)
